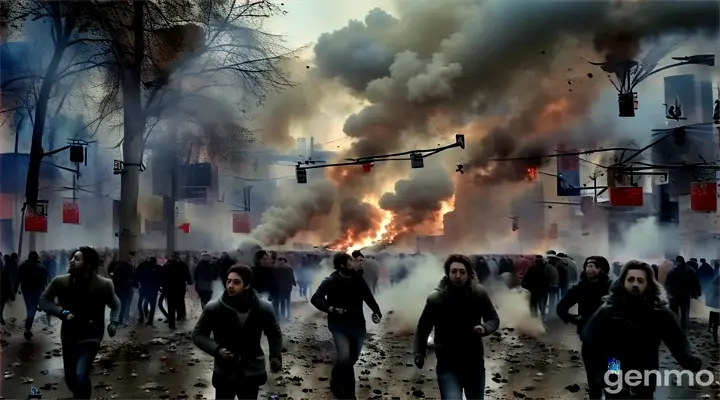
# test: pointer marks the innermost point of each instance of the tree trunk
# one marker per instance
(133, 143)
(36, 150)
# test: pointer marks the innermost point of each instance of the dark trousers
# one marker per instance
(146, 305)
(32, 300)
(227, 389)
(175, 307)
(681, 307)
(538, 300)
(205, 297)
(553, 298)
(348, 346)
(77, 362)
(125, 296)
(595, 386)
(714, 322)
(454, 380)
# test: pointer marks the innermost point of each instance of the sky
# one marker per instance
(306, 20)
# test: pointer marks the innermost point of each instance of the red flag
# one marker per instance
(626, 196)
(703, 196)
(70, 211)
(185, 227)
(241, 222)
(34, 222)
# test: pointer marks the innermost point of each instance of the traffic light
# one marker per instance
(367, 167)
(460, 140)
(301, 175)
(626, 104)
(531, 174)
(416, 160)
(515, 225)
(77, 154)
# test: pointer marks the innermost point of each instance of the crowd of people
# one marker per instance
(614, 302)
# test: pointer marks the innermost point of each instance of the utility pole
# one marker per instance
(170, 199)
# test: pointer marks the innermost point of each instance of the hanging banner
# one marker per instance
(568, 171)
(34, 222)
(703, 196)
(241, 222)
(70, 211)
(626, 196)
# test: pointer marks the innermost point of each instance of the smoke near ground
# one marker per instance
(407, 299)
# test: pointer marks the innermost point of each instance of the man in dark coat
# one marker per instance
(149, 278)
(82, 296)
(627, 330)
(682, 285)
(205, 275)
(341, 295)
(588, 295)
(230, 330)
(33, 280)
(285, 278)
(176, 278)
(123, 277)
(537, 282)
(462, 314)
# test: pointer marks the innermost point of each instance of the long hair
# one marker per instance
(654, 291)
(91, 258)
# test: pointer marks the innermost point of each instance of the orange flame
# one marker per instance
(385, 231)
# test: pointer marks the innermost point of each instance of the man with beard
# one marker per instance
(461, 312)
(682, 284)
(82, 296)
(236, 322)
(588, 295)
(341, 296)
(205, 275)
(628, 329)
(176, 278)
(148, 277)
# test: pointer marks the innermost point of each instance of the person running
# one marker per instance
(341, 295)
(82, 296)
(461, 313)
(230, 329)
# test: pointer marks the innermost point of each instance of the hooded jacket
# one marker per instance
(588, 295)
(453, 313)
(237, 323)
(630, 330)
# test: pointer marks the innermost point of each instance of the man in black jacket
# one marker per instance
(33, 280)
(236, 322)
(82, 296)
(588, 295)
(149, 279)
(627, 330)
(205, 274)
(341, 295)
(176, 278)
(462, 314)
(682, 285)
(263, 276)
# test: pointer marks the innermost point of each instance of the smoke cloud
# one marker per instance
(280, 223)
(418, 198)
(357, 217)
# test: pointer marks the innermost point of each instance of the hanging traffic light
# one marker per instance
(367, 167)
(531, 174)
(416, 160)
(515, 224)
(77, 154)
(626, 104)
(301, 175)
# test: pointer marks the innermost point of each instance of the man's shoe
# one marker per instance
(28, 335)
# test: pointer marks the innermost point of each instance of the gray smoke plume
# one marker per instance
(357, 217)
(279, 224)
(480, 53)
(418, 198)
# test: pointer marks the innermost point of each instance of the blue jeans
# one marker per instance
(454, 379)
(146, 304)
(77, 362)
(348, 346)
(32, 300)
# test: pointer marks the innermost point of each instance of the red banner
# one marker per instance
(626, 196)
(70, 211)
(703, 196)
(241, 222)
(34, 222)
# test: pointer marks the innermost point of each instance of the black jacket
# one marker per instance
(588, 295)
(264, 280)
(682, 283)
(631, 332)
(348, 294)
(176, 274)
(33, 277)
(123, 276)
(285, 278)
(453, 313)
(205, 274)
(225, 323)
